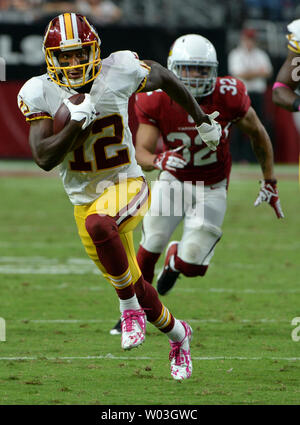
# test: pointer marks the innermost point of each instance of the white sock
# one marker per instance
(129, 304)
(177, 334)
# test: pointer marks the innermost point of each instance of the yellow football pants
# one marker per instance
(127, 202)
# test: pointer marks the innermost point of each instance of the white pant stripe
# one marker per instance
(122, 278)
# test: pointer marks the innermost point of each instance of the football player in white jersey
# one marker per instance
(288, 78)
(201, 210)
(98, 167)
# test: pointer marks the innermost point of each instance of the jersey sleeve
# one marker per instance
(294, 36)
(134, 72)
(234, 98)
(31, 100)
(147, 107)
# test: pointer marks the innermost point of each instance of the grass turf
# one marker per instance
(58, 308)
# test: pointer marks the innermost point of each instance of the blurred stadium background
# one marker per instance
(149, 28)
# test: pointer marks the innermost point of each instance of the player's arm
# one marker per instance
(287, 81)
(49, 149)
(161, 78)
(145, 145)
(251, 125)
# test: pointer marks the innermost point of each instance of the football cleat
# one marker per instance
(117, 329)
(167, 278)
(180, 356)
(133, 324)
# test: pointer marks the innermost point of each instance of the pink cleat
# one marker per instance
(133, 324)
(180, 356)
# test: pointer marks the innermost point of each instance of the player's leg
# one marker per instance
(178, 332)
(191, 256)
(159, 223)
(99, 225)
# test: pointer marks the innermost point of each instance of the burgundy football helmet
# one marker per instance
(67, 32)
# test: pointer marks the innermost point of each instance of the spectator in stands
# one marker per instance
(253, 66)
(20, 11)
(54, 7)
(100, 11)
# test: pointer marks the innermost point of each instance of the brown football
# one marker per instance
(62, 117)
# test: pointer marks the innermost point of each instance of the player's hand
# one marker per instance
(269, 193)
(211, 133)
(83, 111)
(170, 160)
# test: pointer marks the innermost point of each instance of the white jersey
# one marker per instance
(108, 152)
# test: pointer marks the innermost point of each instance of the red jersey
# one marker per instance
(177, 128)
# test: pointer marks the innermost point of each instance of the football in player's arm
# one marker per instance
(105, 218)
(187, 159)
(288, 77)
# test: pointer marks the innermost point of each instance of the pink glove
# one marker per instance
(170, 160)
(269, 193)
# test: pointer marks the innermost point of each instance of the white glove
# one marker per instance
(269, 193)
(85, 110)
(170, 160)
(211, 133)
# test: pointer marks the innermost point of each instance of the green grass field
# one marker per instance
(59, 310)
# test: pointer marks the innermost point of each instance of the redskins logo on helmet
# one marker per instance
(67, 32)
(193, 60)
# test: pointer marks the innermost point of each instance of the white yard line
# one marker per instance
(70, 321)
(102, 287)
(110, 356)
(59, 266)
(44, 265)
(238, 290)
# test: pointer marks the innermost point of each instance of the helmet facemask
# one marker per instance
(58, 71)
(199, 77)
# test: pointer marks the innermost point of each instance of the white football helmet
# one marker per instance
(193, 60)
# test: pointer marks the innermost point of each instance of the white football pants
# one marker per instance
(202, 209)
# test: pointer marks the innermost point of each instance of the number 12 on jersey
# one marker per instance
(103, 160)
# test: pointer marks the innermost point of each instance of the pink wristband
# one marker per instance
(278, 84)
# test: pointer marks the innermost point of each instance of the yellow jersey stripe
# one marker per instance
(41, 117)
(142, 85)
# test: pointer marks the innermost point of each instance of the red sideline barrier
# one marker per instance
(14, 130)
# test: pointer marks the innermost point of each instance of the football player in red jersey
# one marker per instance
(106, 214)
(186, 160)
